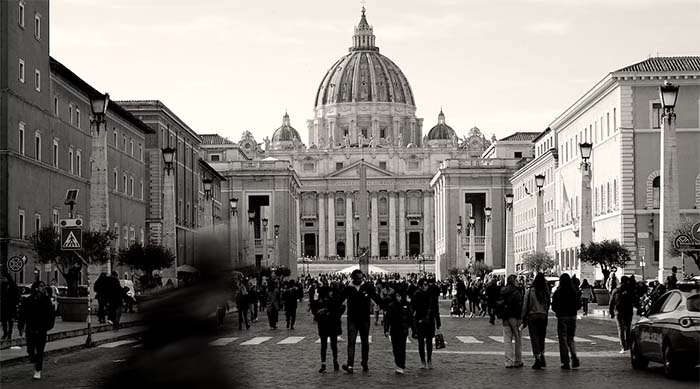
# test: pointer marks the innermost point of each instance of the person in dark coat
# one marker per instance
(358, 295)
(427, 319)
(493, 293)
(114, 295)
(101, 296)
(242, 306)
(397, 323)
(535, 313)
(291, 299)
(36, 318)
(565, 303)
(9, 298)
(511, 303)
(327, 313)
(273, 303)
(622, 309)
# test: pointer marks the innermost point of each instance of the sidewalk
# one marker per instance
(62, 330)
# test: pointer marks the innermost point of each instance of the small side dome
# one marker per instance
(285, 136)
(441, 133)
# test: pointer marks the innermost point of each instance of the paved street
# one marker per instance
(274, 358)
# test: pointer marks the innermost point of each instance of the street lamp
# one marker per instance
(539, 182)
(277, 235)
(265, 254)
(251, 237)
(251, 216)
(668, 94)
(586, 149)
(510, 260)
(207, 187)
(471, 222)
(487, 213)
(233, 202)
(232, 233)
(98, 105)
(669, 213)
(459, 225)
(509, 201)
(168, 158)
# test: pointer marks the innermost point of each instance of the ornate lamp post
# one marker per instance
(251, 237)
(472, 242)
(209, 201)
(510, 255)
(458, 253)
(266, 257)
(233, 231)
(168, 234)
(488, 250)
(586, 227)
(669, 212)
(277, 235)
(540, 242)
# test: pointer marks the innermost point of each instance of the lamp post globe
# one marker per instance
(168, 157)
(539, 181)
(668, 94)
(586, 148)
(509, 199)
(487, 213)
(233, 202)
(98, 105)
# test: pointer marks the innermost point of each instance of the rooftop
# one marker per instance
(215, 139)
(521, 137)
(665, 64)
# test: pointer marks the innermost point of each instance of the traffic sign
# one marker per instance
(695, 231)
(71, 223)
(16, 264)
(684, 242)
(71, 238)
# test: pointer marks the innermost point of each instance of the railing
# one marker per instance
(258, 243)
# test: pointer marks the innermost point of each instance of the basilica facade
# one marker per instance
(365, 111)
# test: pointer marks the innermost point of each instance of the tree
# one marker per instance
(606, 254)
(538, 261)
(683, 227)
(481, 269)
(147, 259)
(46, 244)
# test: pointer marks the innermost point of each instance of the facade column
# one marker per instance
(321, 196)
(402, 224)
(428, 248)
(669, 212)
(331, 224)
(349, 236)
(374, 243)
(392, 224)
(297, 224)
(586, 229)
(251, 242)
(510, 255)
(488, 250)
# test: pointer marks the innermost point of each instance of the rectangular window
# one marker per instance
(37, 222)
(37, 146)
(140, 152)
(656, 115)
(131, 186)
(413, 165)
(124, 187)
(71, 161)
(383, 224)
(116, 180)
(21, 14)
(37, 26)
(21, 230)
(37, 80)
(21, 70)
(131, 147)
(338, 165)
(382, 165)
(614, 119)
(215, 157)
(70, 113)
(308, 166)
(78, 162)
(21, 138)
(55, 153)
(115, 138)
(55, 106)
(141, 189)
(382, 132)
(77, 117)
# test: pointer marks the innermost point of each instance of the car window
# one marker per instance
(656, 306)
(693, 303)
(671, 302)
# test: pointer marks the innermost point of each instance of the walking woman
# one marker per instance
(273, 303)
(565, 303)
(586, 295)
(9, 298)
(511, 302)
(535, 311)
(328, 315)
(427, 318)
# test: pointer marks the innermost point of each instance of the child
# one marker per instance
(399, 319)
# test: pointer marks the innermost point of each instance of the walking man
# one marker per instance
(358, 295)
(37, 318)
(622, 308)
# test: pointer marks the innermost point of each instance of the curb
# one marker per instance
(68, 349)
(70, 334)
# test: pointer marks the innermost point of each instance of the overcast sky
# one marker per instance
(227, 66)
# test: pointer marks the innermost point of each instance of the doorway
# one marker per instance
(383, 249)
(310, 245)
(340, 249)
(414, 242)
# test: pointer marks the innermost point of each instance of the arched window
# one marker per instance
(656, 192)
(615, 203)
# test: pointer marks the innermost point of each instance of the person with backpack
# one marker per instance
(565, 303)
(398, 321)
(509, 308)
(327, 313)
(622, 308)
(535, 312)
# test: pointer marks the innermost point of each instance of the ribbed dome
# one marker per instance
(364, 74)
(441, 131)
(285, 133)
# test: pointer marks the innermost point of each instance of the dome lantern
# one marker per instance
(364, 38)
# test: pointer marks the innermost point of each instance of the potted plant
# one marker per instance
(46, 244)
(608, 254)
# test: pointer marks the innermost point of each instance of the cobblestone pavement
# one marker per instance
(266, 358)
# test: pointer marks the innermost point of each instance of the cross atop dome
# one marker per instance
(364, 38)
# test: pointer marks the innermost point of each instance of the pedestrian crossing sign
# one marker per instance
(71, 238)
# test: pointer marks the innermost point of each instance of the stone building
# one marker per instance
(46, 142)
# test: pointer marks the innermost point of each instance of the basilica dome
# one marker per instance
(285, 136)
(364, 75)
(441, 131)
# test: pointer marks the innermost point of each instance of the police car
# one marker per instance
(669, 333)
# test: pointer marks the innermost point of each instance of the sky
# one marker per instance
(227, 66)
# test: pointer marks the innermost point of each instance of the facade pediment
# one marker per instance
(351, 171)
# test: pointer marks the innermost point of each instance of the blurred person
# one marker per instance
(358, 295)
(114, 295)
(586, 295)
(328, 312)
(493, 293)
(534, 317)
(9, 298)
(291, 298)
(622, 309)
(37, 318)
(273, 304)
(427, 318)
(511, 310)
(101, 297)
(253, 298)
(242, 306)
(397, 323)
(565, 303)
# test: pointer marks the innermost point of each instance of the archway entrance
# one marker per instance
(340, 249)
(414, 243)
(383, 249)
(310, 245)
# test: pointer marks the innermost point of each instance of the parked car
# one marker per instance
(669, 333)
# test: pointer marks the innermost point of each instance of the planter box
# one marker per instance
(73, 308)
(602, 296)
